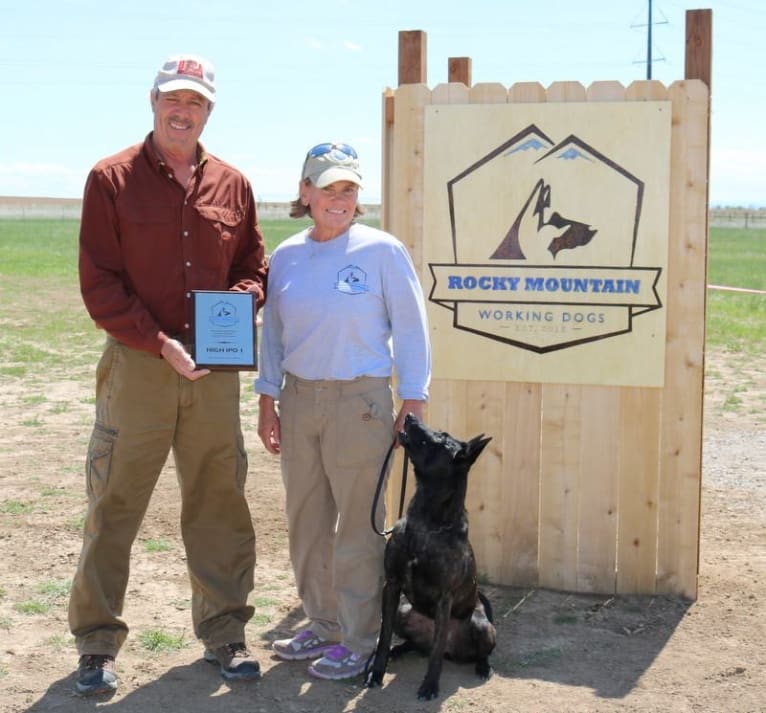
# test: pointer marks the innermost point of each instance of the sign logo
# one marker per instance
(544, 237)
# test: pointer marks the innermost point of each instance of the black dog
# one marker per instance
(429, 559)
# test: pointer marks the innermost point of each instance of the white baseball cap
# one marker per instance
(187, 72)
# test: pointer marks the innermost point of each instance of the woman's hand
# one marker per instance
(412, 406)
(268, 424)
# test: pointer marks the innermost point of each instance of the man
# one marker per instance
(160, 219)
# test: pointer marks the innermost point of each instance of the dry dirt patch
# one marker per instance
(556, 652)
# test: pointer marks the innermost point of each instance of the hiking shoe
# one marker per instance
(237, 663)
(95, 674)
(305, 645)
(339, 662)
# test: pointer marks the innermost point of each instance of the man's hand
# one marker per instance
(173, 353)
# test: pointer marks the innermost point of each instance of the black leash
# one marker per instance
(381, 480)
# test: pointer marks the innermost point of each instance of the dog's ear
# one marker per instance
(473, 448)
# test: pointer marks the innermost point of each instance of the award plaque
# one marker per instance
(224, 330)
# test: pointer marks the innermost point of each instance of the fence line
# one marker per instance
(70, 208)
(737, 289)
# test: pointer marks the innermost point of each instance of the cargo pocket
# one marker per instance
(242, 463)
(365, 429)
(99, 461)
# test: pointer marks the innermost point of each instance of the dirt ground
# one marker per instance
(557, 652)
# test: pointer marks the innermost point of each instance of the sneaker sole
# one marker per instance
(235, 676)
(334, 676)
(106, 687)
(210, 657)
(316, 653)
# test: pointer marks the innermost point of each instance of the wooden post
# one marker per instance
(459, 70)
(699, 45)
(412, 57)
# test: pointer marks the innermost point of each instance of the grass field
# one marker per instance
(42, 255)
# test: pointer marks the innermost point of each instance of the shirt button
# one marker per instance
(188, 295)
(186, 233)
(188, 264)
(186, 326)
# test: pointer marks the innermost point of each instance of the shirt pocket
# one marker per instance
(220, 223)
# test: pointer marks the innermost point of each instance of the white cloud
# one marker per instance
(353, 46)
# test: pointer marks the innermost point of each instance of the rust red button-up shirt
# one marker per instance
(146, 242)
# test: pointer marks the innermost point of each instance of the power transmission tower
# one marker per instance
(649, 42)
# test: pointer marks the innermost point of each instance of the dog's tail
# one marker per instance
(487, 607)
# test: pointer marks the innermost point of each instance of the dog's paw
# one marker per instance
(373, 679)
(428, 690)
(484, 670)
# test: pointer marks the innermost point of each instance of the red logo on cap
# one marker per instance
(191, 67)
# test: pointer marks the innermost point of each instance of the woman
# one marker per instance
(344, 310)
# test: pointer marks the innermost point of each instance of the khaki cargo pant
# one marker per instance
(143, 410)
(335, 436)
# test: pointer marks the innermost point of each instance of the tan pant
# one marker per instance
(143, 410)
(335, 435)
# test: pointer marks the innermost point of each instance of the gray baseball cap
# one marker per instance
(330, 162)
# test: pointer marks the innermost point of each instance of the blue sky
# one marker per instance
(75, 76)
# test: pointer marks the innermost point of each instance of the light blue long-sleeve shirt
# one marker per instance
(348, 307)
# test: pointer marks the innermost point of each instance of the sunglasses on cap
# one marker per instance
(322, 149)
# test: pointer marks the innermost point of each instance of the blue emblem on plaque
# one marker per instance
(223, 314)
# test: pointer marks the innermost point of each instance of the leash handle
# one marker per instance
(379, 487)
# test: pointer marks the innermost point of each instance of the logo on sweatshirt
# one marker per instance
(352, 280)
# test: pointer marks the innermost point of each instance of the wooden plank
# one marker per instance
(412, 57)
(488, 93)
(681, 438)
(598, 466)
(646, 90)
(527, 92)
(484, 409)
(446, 406)
(605, 92)
(560, 453)
(639, 455)
(559, 485)
(522, 430)
(459, 70)
(520, 479)
(404, 210)
(452, 93)
(407, 189)
(639, 419)
(566, 92)
(387, 150)
(699, 46)
(598, 463)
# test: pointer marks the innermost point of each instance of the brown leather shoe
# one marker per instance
(237, 663)
(96, 674)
